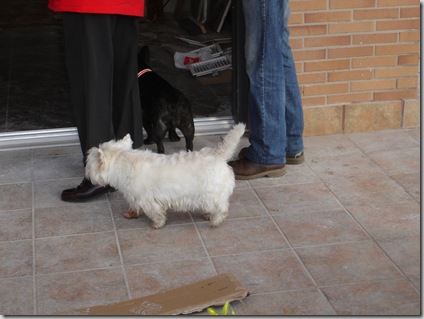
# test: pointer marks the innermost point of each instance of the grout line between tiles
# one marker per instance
(34, 261)
(118, 245)
(305, 269)
(203, 244)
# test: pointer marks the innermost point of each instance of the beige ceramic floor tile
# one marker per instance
(154, 278)
(347, 263)
(389, 298)
(16, 170)
(15, 196)
(344, 166)
(68, 291)
(78, 252)
(58, 151)
(72, 219)
(319, 228)
(305, 302)
(389, 222)
(17, 296)
(371, 142)
(172, 242)
(406, 161)
(301, 198)
(239, 236)
(15, 225)
(367, 190)
(405, 252)
(325, 146)
(414, 132)
(411, 183)
(55, 167)
(16, 258)
(266, 271)
(15, 153)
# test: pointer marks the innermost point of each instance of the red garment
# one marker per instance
(124, 7)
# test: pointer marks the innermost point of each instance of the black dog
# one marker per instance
(164, 108)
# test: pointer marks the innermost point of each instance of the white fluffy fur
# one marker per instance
(157, 183)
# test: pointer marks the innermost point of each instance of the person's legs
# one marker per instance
(274, 103)
(89, 59)
(101, 56)
(264, 66)
(293, 105)
(126, 96)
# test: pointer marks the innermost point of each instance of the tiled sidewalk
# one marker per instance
(339, 234)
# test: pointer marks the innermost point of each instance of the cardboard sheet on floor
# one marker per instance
(214, 291)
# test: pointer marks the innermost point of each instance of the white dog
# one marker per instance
(157, 183)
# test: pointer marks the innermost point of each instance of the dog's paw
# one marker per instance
(131, 213)
(207, 216)
(156, 225)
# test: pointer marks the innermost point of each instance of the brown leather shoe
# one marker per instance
(290, 160)
(245, 169)
(85, 191)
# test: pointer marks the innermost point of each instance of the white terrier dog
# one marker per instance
(157, 183)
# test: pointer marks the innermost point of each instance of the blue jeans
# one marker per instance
(274, 103)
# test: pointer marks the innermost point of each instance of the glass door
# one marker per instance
(34, 90)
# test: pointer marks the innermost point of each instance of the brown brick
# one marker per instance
(296, 18)
(296, 43)
(350, 75)
(407, 83)
(374, 14)
(350, 52)
(305, 55)
(412, 59)
(299, 67)
(308, 30)
(410, 12)
(313, 100)
(396, 72)
(375, 38)
(327, 65)
(308, 5)
(374, 61)
(349, 4)
(375, 85)
(398, 3)
(328, 41)
(398, 24)
(307, 78)
(395, 95)
(351, 27)
(391, 49)
(349, 98)
(323, 89)
(410, 36)
(330, 16)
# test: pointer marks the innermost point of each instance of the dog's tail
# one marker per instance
(228, 146)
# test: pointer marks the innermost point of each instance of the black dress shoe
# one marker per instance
(85, 191)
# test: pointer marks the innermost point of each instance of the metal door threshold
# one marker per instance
(69, 136)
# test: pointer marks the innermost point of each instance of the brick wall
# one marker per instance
(357, 63)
